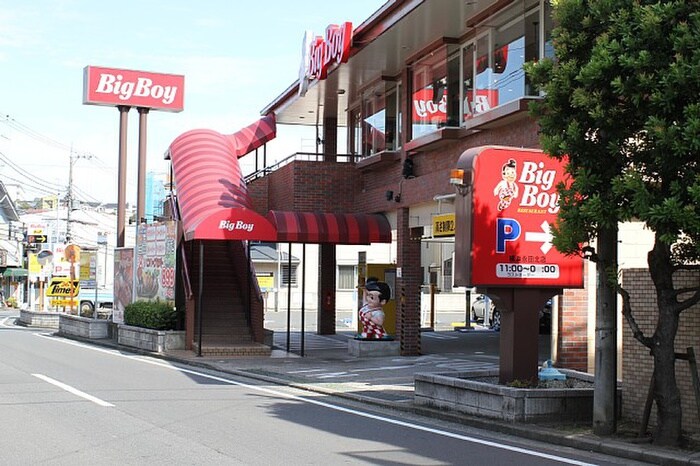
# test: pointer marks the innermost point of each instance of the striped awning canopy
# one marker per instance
(327, 227)
(212, 196)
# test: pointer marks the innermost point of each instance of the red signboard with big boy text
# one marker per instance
(514, 205)
(112, 87)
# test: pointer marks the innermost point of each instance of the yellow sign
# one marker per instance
(265, 281)
(444, 225)
(60, 286)
(58, 302)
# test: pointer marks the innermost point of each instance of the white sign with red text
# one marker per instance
(111, 86)
(320, 54)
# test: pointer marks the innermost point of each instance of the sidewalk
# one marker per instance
(388, 382)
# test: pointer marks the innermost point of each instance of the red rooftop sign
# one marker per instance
(319, 54)
(112, 87)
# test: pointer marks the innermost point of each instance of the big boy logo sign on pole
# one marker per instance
(514, 204)
(111, 86)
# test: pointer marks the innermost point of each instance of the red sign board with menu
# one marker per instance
(514, 204)
(112, 87)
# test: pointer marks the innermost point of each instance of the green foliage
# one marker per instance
(158, 315)
(622, 101)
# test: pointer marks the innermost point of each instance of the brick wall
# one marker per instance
(637, 363)
(408, 288)
(572, 344)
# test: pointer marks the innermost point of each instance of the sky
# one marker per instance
(236, 56)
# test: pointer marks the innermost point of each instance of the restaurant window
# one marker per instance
(346, 277)
(373, 122)
(355, 132)
(492, 65)
(434, 98)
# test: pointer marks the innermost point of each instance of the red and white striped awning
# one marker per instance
(211, 193)
(327, 227)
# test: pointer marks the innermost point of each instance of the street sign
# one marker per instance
(36, 233)
(36, 239)
(61, 286)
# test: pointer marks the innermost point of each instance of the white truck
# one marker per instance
(90, 299)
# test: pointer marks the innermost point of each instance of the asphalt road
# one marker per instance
(64, 402)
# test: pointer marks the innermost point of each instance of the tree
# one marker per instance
(622, 104)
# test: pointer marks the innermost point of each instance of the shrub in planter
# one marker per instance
(158, 315)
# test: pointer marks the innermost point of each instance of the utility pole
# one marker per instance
(69, 195)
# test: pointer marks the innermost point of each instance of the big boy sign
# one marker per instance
(514, 203)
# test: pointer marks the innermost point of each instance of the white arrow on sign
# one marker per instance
(545, 237)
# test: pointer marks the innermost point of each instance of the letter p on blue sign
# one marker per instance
(507, 229)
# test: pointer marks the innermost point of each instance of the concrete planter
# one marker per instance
(460, 392)
(85, 327)
(148, 339)
(373, 348)
(39, 318)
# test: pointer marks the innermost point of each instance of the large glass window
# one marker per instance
(428, 97)
(489, 68)
(374, 122)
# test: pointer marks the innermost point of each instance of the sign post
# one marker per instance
(506, 206)
(72, 253)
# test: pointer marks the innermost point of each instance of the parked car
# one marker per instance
(479, 305)
(477, 314)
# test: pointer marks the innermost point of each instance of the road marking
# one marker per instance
(376, 417)
(73, 390)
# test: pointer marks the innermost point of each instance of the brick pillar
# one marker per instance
(326, 290)
(408, 287)
(572, 344)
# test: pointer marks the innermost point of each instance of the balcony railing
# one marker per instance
(300, 156)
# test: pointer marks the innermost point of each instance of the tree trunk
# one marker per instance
(605, 378)
(666, 393)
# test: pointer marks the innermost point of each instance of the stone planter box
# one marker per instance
(458, 391)
(85, 327)
(39, 318)
(373, 348)
(148, 339)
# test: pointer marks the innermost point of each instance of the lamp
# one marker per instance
(457, 180)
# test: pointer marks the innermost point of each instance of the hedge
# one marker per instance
(158, 315)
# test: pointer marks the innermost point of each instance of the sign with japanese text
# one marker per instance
(154, 258)
(514, 204)
(443, 225)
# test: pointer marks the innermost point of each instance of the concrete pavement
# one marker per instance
(388, 381)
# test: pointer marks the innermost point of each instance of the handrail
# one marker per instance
(300, 156)
(175, 209)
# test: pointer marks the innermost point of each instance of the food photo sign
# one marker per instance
(514, 203)
(154, 260)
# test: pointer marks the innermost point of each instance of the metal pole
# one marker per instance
(289, 296)
(303, 290)
(121, 192)
(248, 281)
(141, 188)
(199, 297)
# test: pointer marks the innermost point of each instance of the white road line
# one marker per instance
(397, 422)
(73, 390)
